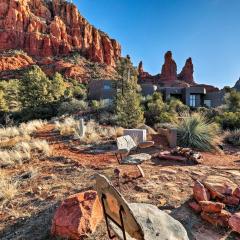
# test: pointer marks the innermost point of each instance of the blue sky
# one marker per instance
(206, 30)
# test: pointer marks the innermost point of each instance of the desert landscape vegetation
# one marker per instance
(55, 137)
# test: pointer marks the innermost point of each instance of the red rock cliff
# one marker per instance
(169, 68)
(48, 28)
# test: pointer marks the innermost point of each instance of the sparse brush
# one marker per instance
(197, 132)
(41, 146)
(233, 137)
(9, 132)
(10, 157)
(8, 188)
(10, 143)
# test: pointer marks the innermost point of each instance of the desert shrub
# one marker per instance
(197, 132)
(229, 120)
(175, 105)
(232, 101)
(233, 137)
(8, 187)
(72, 106)
(156, 111)
(11, 157)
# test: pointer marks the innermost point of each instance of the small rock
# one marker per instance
(236, 192)
(231, 201)
(217, 219)
(234, 222)
(211, 207)
(200, 193)
(195, 207)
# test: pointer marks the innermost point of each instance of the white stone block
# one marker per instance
(138, 135)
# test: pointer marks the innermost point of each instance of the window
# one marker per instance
(107, 87)
(192, 100)
(208, 103)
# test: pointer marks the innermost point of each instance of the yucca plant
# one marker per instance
(233, 137)
(195, 131)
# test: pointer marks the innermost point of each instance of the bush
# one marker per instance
(233, 137)
(72, 107)
(197, 132)
(156, 111)
(229, 120)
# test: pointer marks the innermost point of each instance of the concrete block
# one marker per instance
(138, 135)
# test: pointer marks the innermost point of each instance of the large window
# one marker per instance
(208, 103)
(192, 100)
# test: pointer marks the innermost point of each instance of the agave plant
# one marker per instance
(195, 131)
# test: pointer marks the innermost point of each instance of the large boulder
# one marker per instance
(234, 222)
(157, 224)
(77, 216)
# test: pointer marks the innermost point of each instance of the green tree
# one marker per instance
(128, 100)
(35, 88)
(3, 105)
(232, 101)
(58, 86)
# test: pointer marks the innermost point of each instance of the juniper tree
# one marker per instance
(58, 86)
(128, 100)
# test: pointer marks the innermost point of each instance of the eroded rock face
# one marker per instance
(169, 68)
(53, 28)
(186, 74)
(77, 216)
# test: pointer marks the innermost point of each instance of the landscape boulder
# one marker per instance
(211, 207)
(77, 216)
(195, 207)
(234, 222)
(231, 201)
(200, 193)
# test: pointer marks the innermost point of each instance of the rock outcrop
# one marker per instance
(237, 85)
(49, 28)
(77, 216)
(169, 68)
(168, 76)
(186, 74)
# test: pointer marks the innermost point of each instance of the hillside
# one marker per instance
(49, 32)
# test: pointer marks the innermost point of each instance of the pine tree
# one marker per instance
(35, 88)
(128, 100)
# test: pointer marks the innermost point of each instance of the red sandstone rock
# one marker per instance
(53, 28)
(77, 216)
(217, 219)
(236, 192)
(195, 207)
(186, 74)
(231, 201)
(234, 222)
(169, 68)
(211, 207)
(200, 193)
(15, 62)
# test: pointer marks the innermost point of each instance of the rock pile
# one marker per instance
(217, 199)
(182, 154)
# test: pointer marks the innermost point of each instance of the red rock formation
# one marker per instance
(211, 207)
(15, 62)
(77, 216)
(200, 193)
(169, 68)
(234, 222)
(186, 74)
(50, 28)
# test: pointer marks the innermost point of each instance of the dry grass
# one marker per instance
(94, 133)
(8, 187)
(23, 130)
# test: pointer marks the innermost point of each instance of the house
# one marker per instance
(194, 96)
